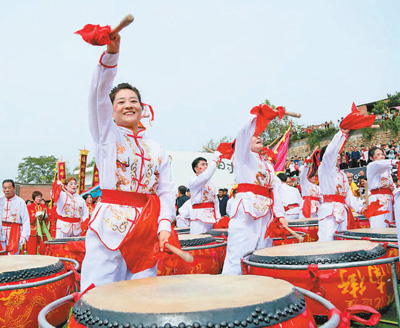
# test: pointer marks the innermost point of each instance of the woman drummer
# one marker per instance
(134, 175)
(381, 186)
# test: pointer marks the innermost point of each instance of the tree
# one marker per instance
(213, 145)
(36, 169)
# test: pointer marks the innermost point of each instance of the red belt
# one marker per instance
(312, 198)
(334, 198)
(256, 189)
(287, 208)
(69, 220)
(119, 197)
(203, 205)
(381, 191)
(8, 224)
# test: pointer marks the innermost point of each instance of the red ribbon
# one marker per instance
(265, 114)
(95, 34)
(355, 120)
(226, 149)
(348, 315)
(77, 295)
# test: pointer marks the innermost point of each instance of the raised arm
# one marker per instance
(330, 157)
(200, 181)
(243, 141)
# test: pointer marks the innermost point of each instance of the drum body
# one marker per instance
(20, 306)
(194, 301)
(344, 286)
(362, 220)
(209, 255)
(307, 226)
(69, 247)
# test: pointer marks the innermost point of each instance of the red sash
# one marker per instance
(381, 191)
(256, 189)
(351, 223)
(287, 208)
(203, 205)
(69, 220)
(123, 197)
(15, 235)
(307, 205)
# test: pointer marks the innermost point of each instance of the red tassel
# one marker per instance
(95, 34)
(355, 120)
(226, 149)
(265, 114)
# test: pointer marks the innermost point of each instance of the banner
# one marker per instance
(82, 169)
(60, 172)
(280, 149)
(96, 180)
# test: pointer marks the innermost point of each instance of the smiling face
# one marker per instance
(89, 199)
(201, 167)
(71, 186)
(38, 199)
(127, 109)
(378, 155)
(256, 144)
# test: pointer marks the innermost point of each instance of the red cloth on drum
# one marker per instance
(307, 205)
(203, 205)
(15, 235)
(351, 223)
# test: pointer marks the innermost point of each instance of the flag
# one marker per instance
(82, 169)
(96, 180)
(280, 149)
(95, 34)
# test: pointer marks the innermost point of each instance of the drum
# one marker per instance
(307, 226)
(209, 255)
(193, 301)
(222, 234)
(27, 284)
(69, 247)
(362, 220)
(180, 231)
(344, 286)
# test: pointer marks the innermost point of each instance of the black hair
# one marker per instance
(86, 196)
(282, 176)
(371, 153)
(36, 193)
(196, 161)
(123, 86)
(9, 181)
(182, 189)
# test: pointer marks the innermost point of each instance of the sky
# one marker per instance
(202, 65)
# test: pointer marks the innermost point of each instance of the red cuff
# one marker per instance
(104, 64)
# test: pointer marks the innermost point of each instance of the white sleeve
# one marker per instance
(278, 205)
(26, 225)
(304, 183)
(198, 182)
(101, 123)
(379, 167)
(243, 141)
(330, 157)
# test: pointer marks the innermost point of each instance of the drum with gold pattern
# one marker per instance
(27, 284)
(196, 301)
(344, 285)
(362, 220)
(69, 247)
(209, 255)
(307, 226)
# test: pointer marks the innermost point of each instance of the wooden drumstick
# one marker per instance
(208, 149)
(294, 233)
(375, 126)
(124, 23)
(186, 256)
(293, 114)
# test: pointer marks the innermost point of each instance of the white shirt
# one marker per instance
(15, 211)
(126, 162)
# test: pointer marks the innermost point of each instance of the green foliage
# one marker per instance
(368, 133)
(36, 169)
(392, 125)
(393, 101)
(213, 145)
(315, 137)
(379, 107)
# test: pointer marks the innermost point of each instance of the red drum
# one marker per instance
(193, 301)
(181, 231)
(363, 221)
(344, 286)
(209, 255)
(307, 226)
(219, 234)
(27, 284)
(69, 247)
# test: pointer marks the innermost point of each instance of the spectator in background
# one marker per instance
(364, 156)
(355, 157)
(230, 201)
(28, 202)
(343, 163)
(391, 152)
(223, 200)
(385, 115)
(352, 184)
(182, 198)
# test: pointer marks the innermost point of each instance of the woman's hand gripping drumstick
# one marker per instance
(186, 256)
(286, 226)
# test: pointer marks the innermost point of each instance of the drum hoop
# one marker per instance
(252, 316)
(353, 256)
(361, 235)
(196, 242)
(64, 240)
(217, 243)
(303, 223)
(43, 282)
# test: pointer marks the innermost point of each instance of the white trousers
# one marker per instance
(102, 266)
(196, 227)
(244, 235)
(328, 226)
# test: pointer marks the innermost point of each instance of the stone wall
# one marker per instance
(301, 148)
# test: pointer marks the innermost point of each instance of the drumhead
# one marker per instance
(319, 252)
(383, 233)
(65, 239)
(303, 222)
(218, 232)
(182, 230)
(191, 300)
(187, 240)
(22, 267)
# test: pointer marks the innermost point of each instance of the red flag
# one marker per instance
(355, 120)
(95, 34)
(95, 181)
(281, 149)
(265, 114)
(373, 209)
(226, 149)
(55, 191)
(270, 153)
